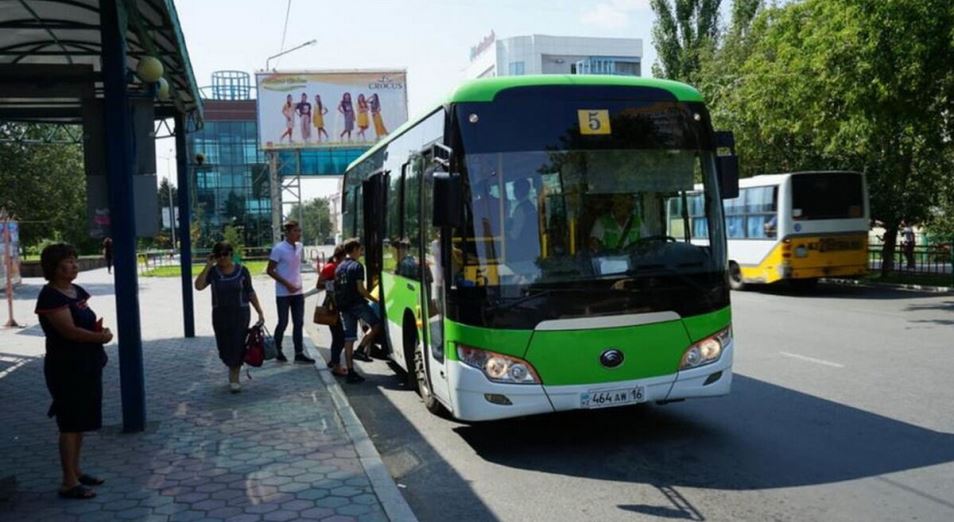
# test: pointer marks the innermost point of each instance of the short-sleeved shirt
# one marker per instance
(57, 346)
(609, 231)
(347, 275)
(230, 290)
(287, 258)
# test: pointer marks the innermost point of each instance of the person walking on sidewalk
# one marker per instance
(108, 254)
(326, 279)
(352, 297)
(284, 266)
(74, 363)
(231, 294)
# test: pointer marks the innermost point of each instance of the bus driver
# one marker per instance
(618, 228)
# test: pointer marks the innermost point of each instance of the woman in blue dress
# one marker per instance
(73, 366)
(231, 294)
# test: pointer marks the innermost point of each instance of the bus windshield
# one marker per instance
(827, 195)
(553, 217)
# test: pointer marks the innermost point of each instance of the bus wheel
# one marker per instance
(735, 276)
(430, 402)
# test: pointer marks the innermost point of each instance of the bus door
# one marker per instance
(374, 194)
(433, 246)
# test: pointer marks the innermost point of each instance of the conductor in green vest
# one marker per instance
(617, 228)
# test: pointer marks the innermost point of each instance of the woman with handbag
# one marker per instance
(327, 312)
(231, 294)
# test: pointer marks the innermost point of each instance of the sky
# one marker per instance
(429, 38)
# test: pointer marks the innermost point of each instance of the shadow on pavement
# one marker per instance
(833, 291)
(762, 436)
(431, 485)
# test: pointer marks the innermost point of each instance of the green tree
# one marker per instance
(685, 32)
(167, 197)
(317, 223)
(849, 84)
(44, 184)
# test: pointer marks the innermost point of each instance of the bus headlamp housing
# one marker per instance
(706, 351)
(498, 367)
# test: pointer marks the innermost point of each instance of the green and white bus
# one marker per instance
(519, 237)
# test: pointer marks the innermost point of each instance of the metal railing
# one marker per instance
(925, 259)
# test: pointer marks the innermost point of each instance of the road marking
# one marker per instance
(812, 359)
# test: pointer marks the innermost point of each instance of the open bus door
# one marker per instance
(435, 245)
(374, 194)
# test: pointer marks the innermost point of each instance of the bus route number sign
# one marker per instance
(607, 398)
(594, 121)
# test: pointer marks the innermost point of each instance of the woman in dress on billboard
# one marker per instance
(346, 108)
(289, 111)
(318, 117)
(304, 117)
(362, 117)
(379, 129)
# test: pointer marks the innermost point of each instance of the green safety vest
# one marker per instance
(612, 232)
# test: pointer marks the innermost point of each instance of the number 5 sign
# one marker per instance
(594, 121)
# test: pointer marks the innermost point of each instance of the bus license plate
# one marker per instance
(607, 398)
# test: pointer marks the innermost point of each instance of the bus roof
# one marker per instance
(486, 89)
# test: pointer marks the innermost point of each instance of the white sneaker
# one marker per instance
(235, 387)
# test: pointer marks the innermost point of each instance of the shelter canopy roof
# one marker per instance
(51, 57)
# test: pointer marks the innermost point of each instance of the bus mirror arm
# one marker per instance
(448, 200)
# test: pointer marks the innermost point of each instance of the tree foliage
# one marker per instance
(845, 84)
(686, 32)
(44, 184)
(317, 224)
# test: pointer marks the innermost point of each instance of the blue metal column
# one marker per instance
(119, 172)
(185, 221)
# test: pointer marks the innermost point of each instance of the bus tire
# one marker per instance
(735, 276)
(430, 402)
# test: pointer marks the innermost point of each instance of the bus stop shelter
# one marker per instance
(70, 62)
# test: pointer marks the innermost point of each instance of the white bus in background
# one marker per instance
(795, 227)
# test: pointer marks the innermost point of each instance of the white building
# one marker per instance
(541, 54)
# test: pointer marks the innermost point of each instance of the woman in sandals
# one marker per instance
(231, 294)
(326, 279)
(74, 363)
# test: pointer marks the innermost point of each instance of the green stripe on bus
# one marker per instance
(701, 326)
(486, 89)
(507, 342)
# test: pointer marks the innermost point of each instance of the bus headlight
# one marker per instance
(706, 351)
(498, 367)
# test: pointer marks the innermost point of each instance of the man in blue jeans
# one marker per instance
(284, 266)
(352, 298)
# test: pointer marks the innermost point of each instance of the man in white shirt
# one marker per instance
(284, 266)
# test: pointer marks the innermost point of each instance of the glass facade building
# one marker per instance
(231, 187)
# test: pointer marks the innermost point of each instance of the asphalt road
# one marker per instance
(842, 409)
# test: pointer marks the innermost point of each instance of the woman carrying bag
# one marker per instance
(327, 312)
(231, 294)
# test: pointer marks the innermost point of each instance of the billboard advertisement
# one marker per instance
(329, 109)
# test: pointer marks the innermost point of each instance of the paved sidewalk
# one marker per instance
(287, 447)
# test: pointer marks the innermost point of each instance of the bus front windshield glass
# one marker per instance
(546, 218)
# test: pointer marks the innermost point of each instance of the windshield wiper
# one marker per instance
(705, 291)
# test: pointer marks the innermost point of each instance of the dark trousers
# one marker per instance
(337, 342)
(297, 305)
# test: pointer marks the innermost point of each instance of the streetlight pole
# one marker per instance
(172, 212)
(306, 44)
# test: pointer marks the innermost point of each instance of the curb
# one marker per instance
(893, 286)
(395, 506)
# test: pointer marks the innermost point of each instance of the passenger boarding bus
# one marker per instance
(795, 227)
(519, 238)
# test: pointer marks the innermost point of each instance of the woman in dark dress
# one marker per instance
(74, 363)
(231, 294)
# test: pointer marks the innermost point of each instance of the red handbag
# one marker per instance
(255, 346)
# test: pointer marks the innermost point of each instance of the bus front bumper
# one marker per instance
(475, 398)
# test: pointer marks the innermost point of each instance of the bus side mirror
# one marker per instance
(727, 168)
(448, 200)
